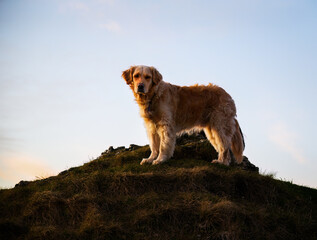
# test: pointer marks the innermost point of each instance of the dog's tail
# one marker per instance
(238, 145)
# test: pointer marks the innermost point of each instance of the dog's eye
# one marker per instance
(136, 75)
(147, 77)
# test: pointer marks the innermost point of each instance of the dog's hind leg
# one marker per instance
(221, 143)
(238, 144)
(211, 138)
(167, 143)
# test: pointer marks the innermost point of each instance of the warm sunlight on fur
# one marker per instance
(169, 109)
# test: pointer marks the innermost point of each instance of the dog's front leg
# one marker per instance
(154, 144)
(167, 143)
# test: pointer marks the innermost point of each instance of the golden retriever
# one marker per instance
(169, 109)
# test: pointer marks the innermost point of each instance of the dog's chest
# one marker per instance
(150, 112)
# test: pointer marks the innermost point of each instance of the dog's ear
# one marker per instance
(156, 76)
(128, 75)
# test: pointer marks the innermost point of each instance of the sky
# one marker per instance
(63, 101)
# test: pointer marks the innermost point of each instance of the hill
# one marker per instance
(113, 197)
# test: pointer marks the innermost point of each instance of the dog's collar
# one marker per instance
(149, 104)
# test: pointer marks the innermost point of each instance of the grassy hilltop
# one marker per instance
(113, 197)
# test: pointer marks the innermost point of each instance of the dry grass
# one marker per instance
(113, 197)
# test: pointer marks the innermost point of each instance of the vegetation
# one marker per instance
(113, 197)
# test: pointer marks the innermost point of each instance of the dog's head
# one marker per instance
(141, 78)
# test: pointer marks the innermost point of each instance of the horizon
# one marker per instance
(63, 101)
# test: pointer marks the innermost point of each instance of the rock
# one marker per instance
(115, 150)
(247, 165)
(110, 150)
(189, 138)
(133, 147)
(22, 183)
(120, 150)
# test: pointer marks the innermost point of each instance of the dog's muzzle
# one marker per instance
(141, 88)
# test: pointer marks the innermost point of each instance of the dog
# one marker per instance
(169, 110)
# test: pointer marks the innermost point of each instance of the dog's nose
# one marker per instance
(141, 88)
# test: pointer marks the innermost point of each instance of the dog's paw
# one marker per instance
(216, 161)
(146, 160)
(156, 162)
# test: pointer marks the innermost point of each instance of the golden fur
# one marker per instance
(169, 109)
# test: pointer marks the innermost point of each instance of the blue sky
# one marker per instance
(63, 101)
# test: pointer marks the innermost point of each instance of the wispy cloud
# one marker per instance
(281, 135)
(107, 2)
(92, 13)
(74, 6)
(79, 6)
(111, 26)
(84, 6)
